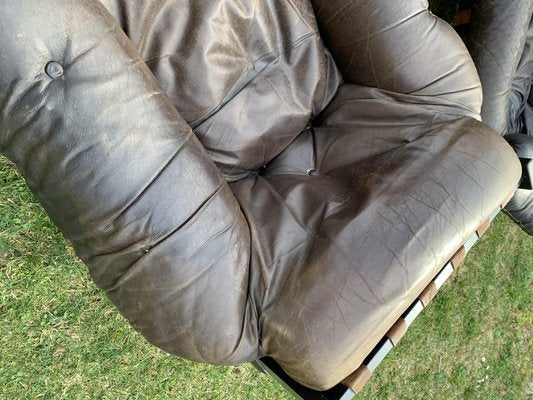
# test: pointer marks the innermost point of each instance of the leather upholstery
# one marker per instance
(215, 59)
(363, 238)
(230, 193)
(399, 46)
(496, 42)
(501, 43)
(125, 179)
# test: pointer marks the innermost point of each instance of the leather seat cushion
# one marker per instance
(400, 187)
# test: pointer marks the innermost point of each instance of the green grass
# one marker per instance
(61, 338)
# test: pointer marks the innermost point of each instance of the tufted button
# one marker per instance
(54, 70)
(254, 173)
(312, 172)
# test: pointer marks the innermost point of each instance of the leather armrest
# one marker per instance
(125, 179)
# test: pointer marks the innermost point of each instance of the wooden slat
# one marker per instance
(483, 228)
(462, 17)
(458, 257)
(358, 379)
(427, 295)
(397, 331)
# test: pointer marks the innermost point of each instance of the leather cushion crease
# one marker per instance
(501, 43)
(250, 178)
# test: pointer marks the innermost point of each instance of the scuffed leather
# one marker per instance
(399, 46)
(501, 44)
(229, 64)
(520, 207)
(401, 186)
(123, 176)
(244, 201)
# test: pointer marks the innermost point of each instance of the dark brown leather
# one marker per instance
(501, 43)
(496, 41)
(300, 216)
(228, 66)
(399, 46)
(126, 180)
(344, 253)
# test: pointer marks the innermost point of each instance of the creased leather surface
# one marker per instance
(501, 43)
(496, 42)
(311, 270)
(229, 65)
(399, 46)
(401, 186)
(521, 97)
(126, 180)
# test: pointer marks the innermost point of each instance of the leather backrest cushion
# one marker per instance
(496, 41)
(247, 75)
(399, 46)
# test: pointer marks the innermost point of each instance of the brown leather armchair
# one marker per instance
(501, 43)
(283, 180)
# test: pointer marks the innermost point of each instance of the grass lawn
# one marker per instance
(61, 338)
